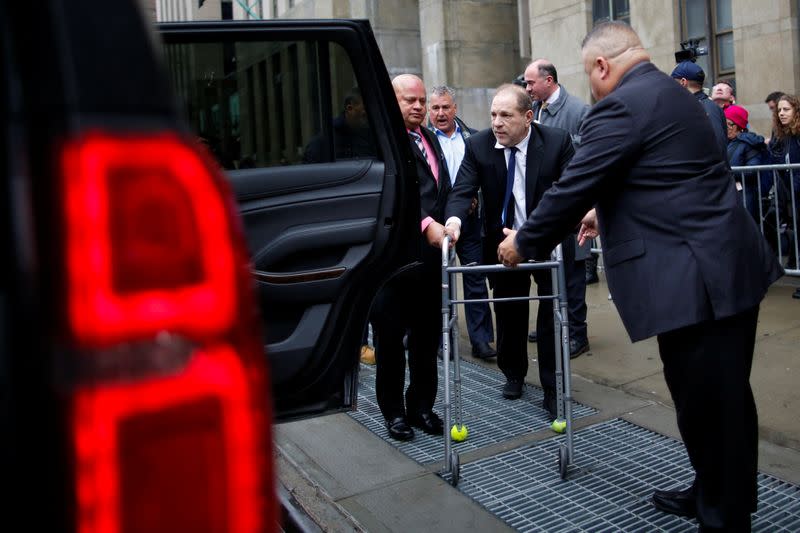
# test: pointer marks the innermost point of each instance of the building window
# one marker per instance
(711, 23)
(606, 10)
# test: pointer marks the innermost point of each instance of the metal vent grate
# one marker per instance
(619, 466)
(489, 417)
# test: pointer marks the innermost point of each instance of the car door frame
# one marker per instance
(327, 381)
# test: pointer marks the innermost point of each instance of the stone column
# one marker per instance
(557, 29)
(766, 47)
(471, 46)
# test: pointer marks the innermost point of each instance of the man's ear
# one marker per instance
(603, 64)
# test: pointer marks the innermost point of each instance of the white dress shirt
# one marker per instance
(453, 148)
(518, 190)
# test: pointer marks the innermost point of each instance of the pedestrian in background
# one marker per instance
(452, 134)
(553, 106)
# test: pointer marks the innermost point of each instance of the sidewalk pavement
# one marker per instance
(348, 479)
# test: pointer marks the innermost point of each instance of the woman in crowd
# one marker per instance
(785, 148)
(745, 148)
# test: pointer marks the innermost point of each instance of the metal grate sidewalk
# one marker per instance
(620, 464)
(489, 417)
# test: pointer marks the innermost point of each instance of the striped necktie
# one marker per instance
(417, 139)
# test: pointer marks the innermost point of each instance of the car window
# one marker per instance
(264, 104)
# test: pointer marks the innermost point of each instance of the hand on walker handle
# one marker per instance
(588, 227)
(454, 231)
(507, 252)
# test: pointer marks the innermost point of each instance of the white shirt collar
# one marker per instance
(457, 131)
(522, 146)
(553, 97)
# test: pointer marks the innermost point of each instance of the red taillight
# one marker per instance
(148, 241)
(170, 416)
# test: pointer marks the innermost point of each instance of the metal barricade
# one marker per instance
(450, 301)
(771, 193)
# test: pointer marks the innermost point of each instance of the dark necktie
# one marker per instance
(417, 139)
(508, 210)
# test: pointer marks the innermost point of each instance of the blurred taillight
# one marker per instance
(170, 416)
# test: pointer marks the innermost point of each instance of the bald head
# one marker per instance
(609, 51)
(411, 97)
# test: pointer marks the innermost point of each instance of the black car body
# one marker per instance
(156, 305)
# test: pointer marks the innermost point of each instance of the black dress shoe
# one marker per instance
(428, 422)
(399, 428)
(550, 405)
(796, 294)
(592, 278)
(577, 347)
(677, 502)
(482, 350)
(512, 390)
(532, 336)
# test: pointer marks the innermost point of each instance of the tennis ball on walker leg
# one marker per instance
(559, 425)
(459, 434)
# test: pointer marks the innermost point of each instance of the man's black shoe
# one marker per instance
(532, 336)
(482, 350)
(428, 422)
(550, 405)
(399, 428)
(592, 278)
(577, 347)
(677, 502)
(512, 390)
(796, 294)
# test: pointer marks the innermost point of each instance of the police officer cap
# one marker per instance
(689, 70)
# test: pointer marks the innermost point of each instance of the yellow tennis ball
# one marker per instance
(559, 425)
(459, 434)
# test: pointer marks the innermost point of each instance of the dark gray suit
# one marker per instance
(683, 261)
(484, 167)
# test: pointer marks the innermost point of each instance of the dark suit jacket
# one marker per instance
(677, 248)
(484, 166)
(433, 195)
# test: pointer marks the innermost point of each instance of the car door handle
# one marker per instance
(299, 277)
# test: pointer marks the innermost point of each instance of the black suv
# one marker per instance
(139, 302)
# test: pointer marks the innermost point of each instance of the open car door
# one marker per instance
(302, 116)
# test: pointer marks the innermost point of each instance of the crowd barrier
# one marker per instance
(771, 194)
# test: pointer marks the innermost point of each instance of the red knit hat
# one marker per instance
(737, 115)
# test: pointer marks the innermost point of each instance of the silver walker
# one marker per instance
(563, 422)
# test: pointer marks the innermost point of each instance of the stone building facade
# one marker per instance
(475, 45)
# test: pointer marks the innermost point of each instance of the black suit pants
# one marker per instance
(707, 370)
(512, 326)
(408, 304)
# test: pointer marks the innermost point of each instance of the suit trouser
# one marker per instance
(409, 304)
(470, 250)
(575, 278)
(707, 369)
(512, 326)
